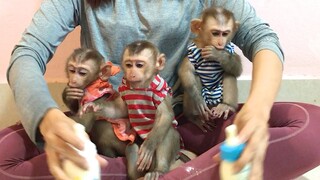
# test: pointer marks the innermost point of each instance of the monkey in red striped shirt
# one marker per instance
(148, 98)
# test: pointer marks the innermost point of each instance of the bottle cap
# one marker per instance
(231, 148)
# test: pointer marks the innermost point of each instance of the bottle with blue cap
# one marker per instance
(230, 151)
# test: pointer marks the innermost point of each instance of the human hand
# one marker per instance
(252, 122)
(59, 133)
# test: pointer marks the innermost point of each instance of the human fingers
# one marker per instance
(255, 134)
(67, 151)
(257, 162)
(56, 125)
(103, 162)
(59, 134)
(54, 164)
(255, 153)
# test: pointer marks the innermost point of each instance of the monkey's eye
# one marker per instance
(128, 65)
(225, 34)
(139, 65)
(72, 71)
(82, 73)
(215, 34)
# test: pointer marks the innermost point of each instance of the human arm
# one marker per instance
(260, 44)
(30, 56)
(252, 120)
(50, 25)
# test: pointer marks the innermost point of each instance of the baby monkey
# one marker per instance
(208, 75)
(148, 98)
(88, 76)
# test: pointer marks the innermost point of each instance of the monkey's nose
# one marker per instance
(72, 84)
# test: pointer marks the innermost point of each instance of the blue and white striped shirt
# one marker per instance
(210, 73)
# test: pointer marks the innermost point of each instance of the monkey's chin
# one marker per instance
(139, 84)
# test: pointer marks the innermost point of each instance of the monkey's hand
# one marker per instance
(146, 154)
(199, 106)
(90, 107)
(72, 93)
(210, 53)
(230, 62)
(222, 110)
(71, 97)
(201, 114)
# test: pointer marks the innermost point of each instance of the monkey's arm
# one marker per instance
(87, 120)
(101, 108)
(230, 98)
(231, 63)
(114, 109)
(163, 121)
(192, 87)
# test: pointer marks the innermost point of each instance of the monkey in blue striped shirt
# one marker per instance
(209, 74)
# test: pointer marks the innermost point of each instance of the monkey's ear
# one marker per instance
(105, 71)
(161, 61)
(195, 25)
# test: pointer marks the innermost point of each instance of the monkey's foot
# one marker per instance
(203, 125)
(154, 175)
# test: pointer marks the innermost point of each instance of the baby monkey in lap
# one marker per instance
(209, 74)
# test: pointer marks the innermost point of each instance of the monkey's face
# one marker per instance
(139, 69)
(80, 74)
(216, 33)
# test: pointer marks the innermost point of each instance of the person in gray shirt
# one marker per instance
(109, 25)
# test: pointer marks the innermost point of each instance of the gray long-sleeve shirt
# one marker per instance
(108, 28)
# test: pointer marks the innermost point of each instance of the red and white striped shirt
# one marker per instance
(142, 104)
